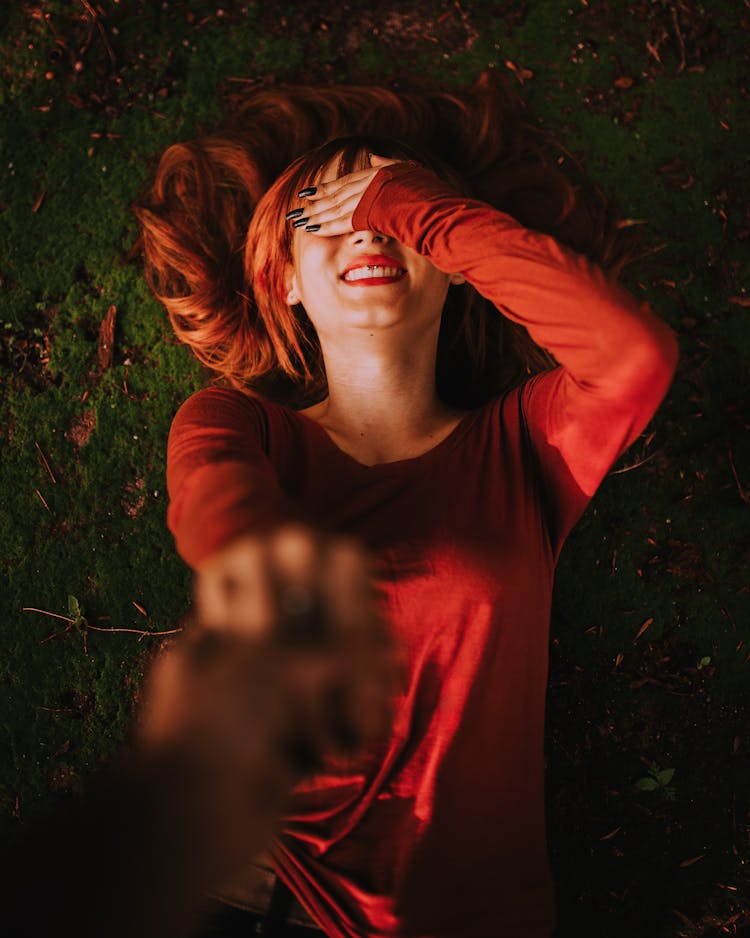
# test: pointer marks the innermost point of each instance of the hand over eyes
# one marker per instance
(329, 210)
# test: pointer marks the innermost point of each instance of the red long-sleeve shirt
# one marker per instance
(441, 831)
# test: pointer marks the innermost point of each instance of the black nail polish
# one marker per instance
(295, 213)
(300, 222)
(310, 190)
(312, 227)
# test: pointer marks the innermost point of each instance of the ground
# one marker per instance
(648, 741)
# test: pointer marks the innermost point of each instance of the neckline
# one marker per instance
(443, 444)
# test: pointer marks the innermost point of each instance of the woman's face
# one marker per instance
(334, 305)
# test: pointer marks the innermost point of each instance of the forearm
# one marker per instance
(592, 325)
(220, 481)
(119, 861)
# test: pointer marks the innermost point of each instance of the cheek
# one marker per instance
(432, 281)
(316, 270)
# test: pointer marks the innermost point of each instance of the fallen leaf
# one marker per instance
(673, 166)
(520, 73)
(105, 345)
(643, 628)
(654, 51)
(691, 861)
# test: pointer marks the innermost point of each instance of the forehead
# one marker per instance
(330, 170)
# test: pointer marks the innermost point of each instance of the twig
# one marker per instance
(728, 616)
(45, 613)
(43, 501)
(634, 466)
(95, 16)
(94, 628)
(744, 495)
(679, 38)
(141, 632)
(44, 460)
(150, 110)
(653, 250)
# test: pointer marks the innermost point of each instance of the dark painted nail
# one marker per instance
(295, 213)
(300, 222)
(312, 227)
(310, 190)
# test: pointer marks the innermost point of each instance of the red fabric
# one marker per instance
(441, 831)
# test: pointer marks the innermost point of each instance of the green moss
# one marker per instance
(664, 540)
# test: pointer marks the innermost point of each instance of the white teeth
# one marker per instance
(362, 273)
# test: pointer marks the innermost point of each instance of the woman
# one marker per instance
(450, 412)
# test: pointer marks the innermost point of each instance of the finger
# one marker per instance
(293, 550)
(334, 221)
(295, 557)
(235, 595)
(345, 584)
(370, 664)
(252, 608)
(335, 206)
(324, 190)
(162, 703)
(209, 600)
(343, 186)
(329, 229)
(318, 677)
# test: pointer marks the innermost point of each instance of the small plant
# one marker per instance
(76, 614)
(657, 779)
(704, 662)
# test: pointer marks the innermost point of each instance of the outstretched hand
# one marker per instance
(330, 209)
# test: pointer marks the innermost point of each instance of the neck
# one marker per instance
(383, 397)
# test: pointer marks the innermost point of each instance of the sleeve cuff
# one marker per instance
(361, 216)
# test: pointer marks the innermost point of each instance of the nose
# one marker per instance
(357, 237)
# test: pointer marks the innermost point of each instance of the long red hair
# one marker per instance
(215, 241)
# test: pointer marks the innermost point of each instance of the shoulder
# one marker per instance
(217, 401)
(228, 412)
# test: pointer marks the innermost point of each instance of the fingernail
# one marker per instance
(312, 227)
(310, 190)
(300, 222)
(295, 213)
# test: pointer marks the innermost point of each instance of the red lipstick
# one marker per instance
(372, 260)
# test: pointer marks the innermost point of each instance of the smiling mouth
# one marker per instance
(373, 275)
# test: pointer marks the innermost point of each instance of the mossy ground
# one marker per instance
(653, 96)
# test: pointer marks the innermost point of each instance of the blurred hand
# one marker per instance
(302, 662)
